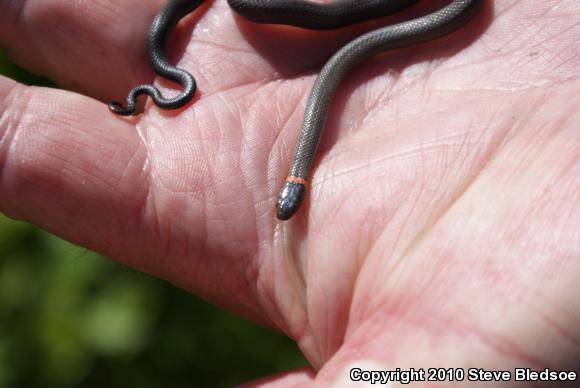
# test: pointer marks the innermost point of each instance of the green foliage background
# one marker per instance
(71, 318)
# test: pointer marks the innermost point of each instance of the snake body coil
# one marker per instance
(311, 15)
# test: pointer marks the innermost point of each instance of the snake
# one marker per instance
(310, 15)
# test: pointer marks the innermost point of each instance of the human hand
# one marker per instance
(441, 227)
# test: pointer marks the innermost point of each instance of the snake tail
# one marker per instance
(161, 27)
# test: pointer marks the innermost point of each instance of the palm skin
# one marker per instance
(441, 228)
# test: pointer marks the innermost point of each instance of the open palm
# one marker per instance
(442, 224)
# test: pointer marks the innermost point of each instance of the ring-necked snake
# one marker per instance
(311, 15)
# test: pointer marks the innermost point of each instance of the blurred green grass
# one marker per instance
(71, 318)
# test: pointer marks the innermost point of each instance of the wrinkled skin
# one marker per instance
(443, 223)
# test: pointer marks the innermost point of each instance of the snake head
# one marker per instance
(289, 199)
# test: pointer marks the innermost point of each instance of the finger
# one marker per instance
(70, 167)
(292, 378)
(94, 47)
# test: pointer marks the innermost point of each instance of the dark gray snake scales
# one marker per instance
(306, 14)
